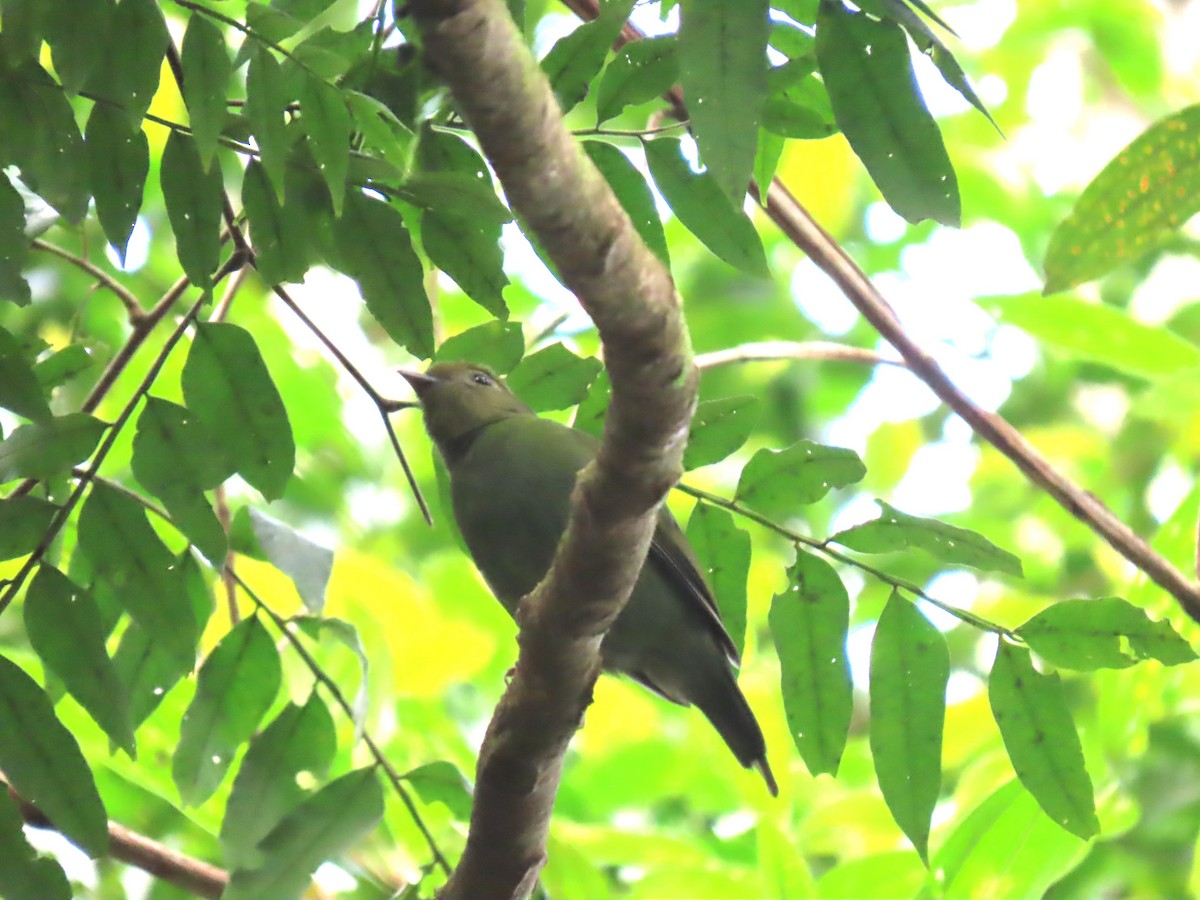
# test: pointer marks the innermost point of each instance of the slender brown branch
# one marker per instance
(106, 444)
(383, 404)
(795, 222)
(503, 96)
(133, 308)
(774, 351)
(178, 869)
(335, 692)
(810, 237)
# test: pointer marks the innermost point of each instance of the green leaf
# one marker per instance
(78, 36)
(329, 822)
(910, 667)
(65, 628)
(929, 44)
(382, 130)
(1008, 825)
(791, 41)
(177, 459)
(470, 253)
(704, 209)
(41, 760)
(723, 69)
(206, 72)
(1109, 633)
(23, 521)
(1096, 332)
(342, 632)
(38, 134)
(234, 689)
(809, 623)
(14, 245)
(20, 391)
(873, 90)
(724, 551)
(802, 111)
(766, 160)
(438, 151)
(23, 24)
(641, 71)
(776, 482)
(280, 244)
(62, 365)
(118, 161)
(1035, 723)
(52, 447)
(267, 99)
(375, 249)
(130, 78)
(25, 875)
(148, 669)
(458, 194)
(307, 563)
(719, 428)
(575, 60)
(442, 782)
(194, 200)
(633, 193)
(894, 530)
(1149, 188)
(327, 123)
(301, 739)
(227, 386)
(495, 344)
(128, 557)
(593, 409)
(553, 378)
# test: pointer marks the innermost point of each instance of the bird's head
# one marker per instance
(457, 398)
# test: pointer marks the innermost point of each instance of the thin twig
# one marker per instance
(110, 438)
(639, 133)
(774, 351)
(133, 308)
(823, 547)
(381, 403)
(331, 686)
(165, 863)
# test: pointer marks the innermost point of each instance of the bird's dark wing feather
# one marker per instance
(671, 550)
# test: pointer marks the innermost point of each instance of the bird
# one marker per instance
(512, 473)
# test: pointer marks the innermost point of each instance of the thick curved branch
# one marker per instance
(504, 97)
(794, 220)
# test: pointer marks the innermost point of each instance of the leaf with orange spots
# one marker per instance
(1149, 188)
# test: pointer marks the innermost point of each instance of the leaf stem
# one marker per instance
(133, 308)
(382, 404)
(822, 547)
(331, 686)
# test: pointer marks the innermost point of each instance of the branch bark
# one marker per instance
(184, 872)
(807, 234)
(504, 97)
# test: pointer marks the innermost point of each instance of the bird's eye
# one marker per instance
(481, 378)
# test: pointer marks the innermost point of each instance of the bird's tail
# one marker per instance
(725, 706)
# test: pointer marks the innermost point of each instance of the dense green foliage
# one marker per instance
(226, 624)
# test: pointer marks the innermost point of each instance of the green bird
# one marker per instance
(511, 478)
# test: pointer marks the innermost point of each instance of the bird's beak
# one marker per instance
(418, 380)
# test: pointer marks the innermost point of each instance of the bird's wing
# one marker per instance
(671, 550)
